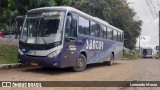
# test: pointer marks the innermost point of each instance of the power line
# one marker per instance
(158, 4)
(154, 8)
(153, 13)
(150, 9)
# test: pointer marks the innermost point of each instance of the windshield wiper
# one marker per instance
(71, 38)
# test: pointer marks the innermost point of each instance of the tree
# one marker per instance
(9, 9)
(22, 6)
(63, 2)
(3, 6)
(117, 13)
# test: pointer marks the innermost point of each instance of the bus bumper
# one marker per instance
(40, 61)
(147, 56)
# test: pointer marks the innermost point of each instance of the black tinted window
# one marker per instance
(69, 31)
(103, 32)
(95, 29)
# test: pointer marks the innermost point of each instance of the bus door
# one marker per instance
(70, 39)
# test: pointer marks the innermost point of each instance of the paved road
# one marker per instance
(122, 70)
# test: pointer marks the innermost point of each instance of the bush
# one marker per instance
(8, 54)
(130, 56)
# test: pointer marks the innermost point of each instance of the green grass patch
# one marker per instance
(131, 56)
(8, 54)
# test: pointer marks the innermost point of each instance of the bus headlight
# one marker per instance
(20, 52)
(54, 53)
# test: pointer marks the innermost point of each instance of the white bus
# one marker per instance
(147, 52)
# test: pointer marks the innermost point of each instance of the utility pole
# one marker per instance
(139, 45)
(159, 36)
(140, 49)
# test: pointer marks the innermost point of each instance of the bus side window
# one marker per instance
(69, 31)
(97, 29)
(118, 36)
(114, 35)
(105, 33)
(109, 34)
(102, 31)
(94, 29)
(83, 26)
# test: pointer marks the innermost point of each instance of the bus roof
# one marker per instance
(67, 8)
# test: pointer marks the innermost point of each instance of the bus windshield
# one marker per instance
(43, 29)
(147, 51)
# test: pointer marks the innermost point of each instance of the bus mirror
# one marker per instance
(19, 21)
(19, 18)
(74, 24)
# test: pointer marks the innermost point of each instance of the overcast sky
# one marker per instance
(147, 11)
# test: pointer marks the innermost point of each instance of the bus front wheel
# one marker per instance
(80, 63)
(110, 62)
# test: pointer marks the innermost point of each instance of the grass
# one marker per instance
(8, 54)
(131, 56)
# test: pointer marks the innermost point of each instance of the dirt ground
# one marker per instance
(122, 70)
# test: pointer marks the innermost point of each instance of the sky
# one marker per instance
(147, 11)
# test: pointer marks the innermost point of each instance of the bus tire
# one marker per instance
(80, 63)
(110, 62)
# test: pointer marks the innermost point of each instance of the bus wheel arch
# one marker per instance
(81, 62)
(110, 62)
(84, 53)
(113, 55)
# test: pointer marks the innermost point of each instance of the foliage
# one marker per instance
(117, 13)
(22, 6)
(130, 56)
(9, 9)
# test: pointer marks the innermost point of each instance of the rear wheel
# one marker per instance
(80, 63)
(110, 62)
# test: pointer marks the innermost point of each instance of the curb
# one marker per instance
(12, 66)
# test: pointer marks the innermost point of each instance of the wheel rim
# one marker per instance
(80, 63)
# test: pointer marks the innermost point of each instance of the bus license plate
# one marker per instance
(34, 64)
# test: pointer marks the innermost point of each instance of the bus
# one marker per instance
(18, 25)
(60, 37)
(147, 52)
